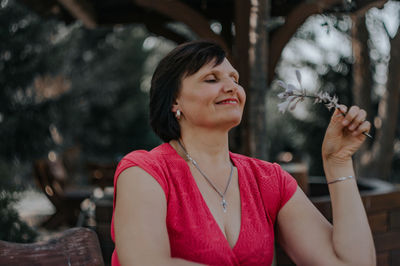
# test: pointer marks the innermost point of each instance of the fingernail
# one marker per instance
(351, 127)
(345, 122)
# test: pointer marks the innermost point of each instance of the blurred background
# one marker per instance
(75, 77)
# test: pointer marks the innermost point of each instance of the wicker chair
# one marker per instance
(76, 246)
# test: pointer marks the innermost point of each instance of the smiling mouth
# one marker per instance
(228, 101)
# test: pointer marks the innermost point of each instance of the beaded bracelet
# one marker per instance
(339, 179)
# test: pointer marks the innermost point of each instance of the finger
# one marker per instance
(343, 108)
(351, 114)
(360, 117)
(335, 126)
(364, 127)
(339, 114)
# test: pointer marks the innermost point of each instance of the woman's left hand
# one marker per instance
(344, 136)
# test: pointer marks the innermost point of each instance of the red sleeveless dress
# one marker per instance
(193, 233)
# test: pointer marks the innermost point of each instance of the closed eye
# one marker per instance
(235, 78)
(211, 79)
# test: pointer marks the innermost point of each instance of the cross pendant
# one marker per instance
(224, 204)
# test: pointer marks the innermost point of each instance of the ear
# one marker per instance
(174, 107)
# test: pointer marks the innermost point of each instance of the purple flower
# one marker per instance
(293, 95)
(283, 106)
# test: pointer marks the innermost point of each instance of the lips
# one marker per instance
(228, 101)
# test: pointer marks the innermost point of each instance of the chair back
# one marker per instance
(76, 246)
(101, 175)
(51, 178)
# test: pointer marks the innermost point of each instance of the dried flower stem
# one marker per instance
(336, 107)
(293, 95)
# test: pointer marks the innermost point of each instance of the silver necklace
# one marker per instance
(222, 195)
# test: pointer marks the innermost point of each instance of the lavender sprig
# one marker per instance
(293, 95)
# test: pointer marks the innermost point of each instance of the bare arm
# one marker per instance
(304, 233)
(141, 236)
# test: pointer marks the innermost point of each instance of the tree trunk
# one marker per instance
(256, 98)
(362, 76)
(239, 137)
(378, 162)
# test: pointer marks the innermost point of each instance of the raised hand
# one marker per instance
(344, 136)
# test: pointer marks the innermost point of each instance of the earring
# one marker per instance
(178, 114)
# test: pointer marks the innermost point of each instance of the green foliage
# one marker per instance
(98, 103)
(105, 112)
(20, 61)
(12, 228)
(64, 86)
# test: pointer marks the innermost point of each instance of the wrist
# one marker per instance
(334, 169)
(339, 179)
(337, 162)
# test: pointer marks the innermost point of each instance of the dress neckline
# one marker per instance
(203, 202)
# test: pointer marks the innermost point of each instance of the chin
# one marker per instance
(232, 122)
(237, 122)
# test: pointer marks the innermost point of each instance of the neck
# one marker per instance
(205, 146)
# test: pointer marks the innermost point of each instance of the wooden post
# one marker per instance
(258, 58)
(239, 139)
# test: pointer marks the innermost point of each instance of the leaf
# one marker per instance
(282, 95)
(330, 106)
(291, 88)
(282, 84)
(283, 106)
(294, 103)
(298, 75)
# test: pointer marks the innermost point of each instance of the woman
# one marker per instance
(190, 201)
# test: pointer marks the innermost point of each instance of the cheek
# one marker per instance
(195, 103)
(242, 95)
(205, 97)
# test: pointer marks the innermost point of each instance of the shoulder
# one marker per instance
(142, 155)
(152, 162)
(142, 158)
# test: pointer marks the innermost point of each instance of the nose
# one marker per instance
(230, 85)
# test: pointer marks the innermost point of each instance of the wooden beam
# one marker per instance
(160, 29)
(362, 6)
(296, 18)
(130, 16)
(153, 21)
(81, 10)
(181, 12)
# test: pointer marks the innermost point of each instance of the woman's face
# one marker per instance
(211, 97)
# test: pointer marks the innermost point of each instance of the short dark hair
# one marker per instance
(185, 60)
